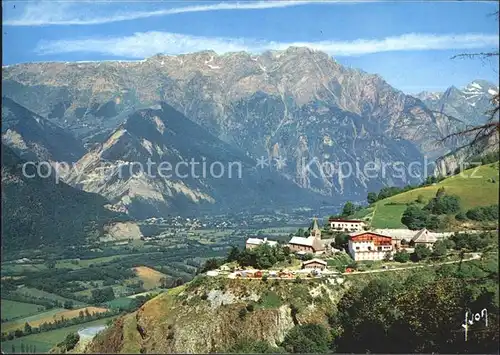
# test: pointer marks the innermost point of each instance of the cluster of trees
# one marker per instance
(473, 241)
(83, 317)
(421, 252)
(415, 217)
(348, 210)
(420, 314)
(390, 191)
(307, 338)
(443, 204)
(102, 295)
(69, 342)
(459, 241)
(52, 281)
(488, 213)
(489, 158)
(261, 257)
(24, 349)
(386, 192)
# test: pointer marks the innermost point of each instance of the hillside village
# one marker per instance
(346, 246)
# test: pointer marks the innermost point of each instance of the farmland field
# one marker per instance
(47, 317)
(33, 292)
(150, 276)
(46, 340)
(78, 264)
(13, 309)
(122, 302)
(19, 323)
(18, 269)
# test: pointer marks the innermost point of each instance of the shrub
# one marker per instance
(307, 338)
(70, 342)
(439, 248)
(443, 204)
(401, 256)
(421, 252)
(432, 223)
(489, 213)
(414, 218)
(242, 313)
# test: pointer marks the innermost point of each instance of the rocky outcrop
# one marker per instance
(184, 320)
(468, 156)
(122, 230)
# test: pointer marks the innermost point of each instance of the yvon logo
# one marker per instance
(474, 317)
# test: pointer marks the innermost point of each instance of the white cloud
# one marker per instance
(88, 13)
(145, 44)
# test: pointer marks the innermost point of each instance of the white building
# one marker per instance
(346, 225)
(370, 246)
(255, 242)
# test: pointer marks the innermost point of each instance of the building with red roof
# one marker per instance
(370, 246)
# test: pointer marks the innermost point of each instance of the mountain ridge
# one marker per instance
(294, 104)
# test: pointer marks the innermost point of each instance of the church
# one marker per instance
(312, 244)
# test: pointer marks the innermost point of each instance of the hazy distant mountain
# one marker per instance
(221, 177)
(35, 138)
(469, 104)
(294, 104)
(36, 211)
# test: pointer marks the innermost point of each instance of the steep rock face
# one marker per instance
(159, 161)
(125, 230)
(205, 316)
(35, 138)
(469, 104)
(291, 104)
(467, 156)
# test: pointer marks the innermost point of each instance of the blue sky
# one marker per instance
(407, 43)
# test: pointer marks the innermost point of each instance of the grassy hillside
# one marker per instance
(474, 187)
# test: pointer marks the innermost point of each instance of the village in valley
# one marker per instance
(340, 247)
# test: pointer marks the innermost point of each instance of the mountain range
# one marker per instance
(218, 174)
(470, 103)
(291, 109)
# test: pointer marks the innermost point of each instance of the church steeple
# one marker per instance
(315, 231)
